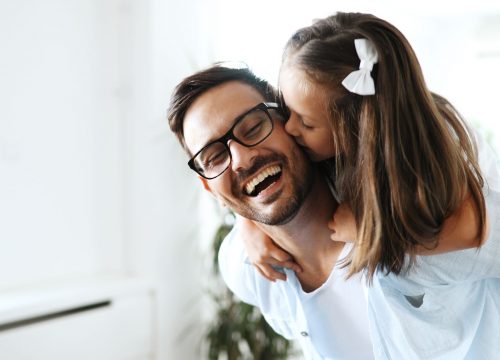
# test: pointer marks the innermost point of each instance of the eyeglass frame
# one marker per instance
(229, 135)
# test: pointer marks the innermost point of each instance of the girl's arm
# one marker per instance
(460, 231)
(263, 253)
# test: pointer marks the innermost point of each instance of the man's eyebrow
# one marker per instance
(214, 139)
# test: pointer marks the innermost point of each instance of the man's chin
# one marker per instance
(278, 212)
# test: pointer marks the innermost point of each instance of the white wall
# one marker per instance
(61, 141)
(162, 226)
(92, 183)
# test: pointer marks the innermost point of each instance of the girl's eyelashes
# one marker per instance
(287, 113)
(303, 123)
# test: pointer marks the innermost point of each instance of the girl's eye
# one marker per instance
(306, 126)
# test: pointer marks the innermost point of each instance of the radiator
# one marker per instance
(86, 320)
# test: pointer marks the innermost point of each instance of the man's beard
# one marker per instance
(301, 178)
(283, 215)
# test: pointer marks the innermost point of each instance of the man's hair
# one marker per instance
(407, 160)
(192, 87)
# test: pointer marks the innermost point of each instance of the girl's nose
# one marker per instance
(291, 125)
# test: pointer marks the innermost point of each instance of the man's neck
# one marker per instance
(307, 237)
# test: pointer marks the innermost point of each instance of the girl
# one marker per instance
(403, 158)
(411, 181)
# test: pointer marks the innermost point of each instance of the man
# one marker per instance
(227, 121)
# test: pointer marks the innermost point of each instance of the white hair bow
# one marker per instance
(360, 81)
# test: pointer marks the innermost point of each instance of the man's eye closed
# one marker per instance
(216, 158)
(254, 130)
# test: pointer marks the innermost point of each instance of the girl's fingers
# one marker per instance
(292, 266)
(279, 254)
(289, 264)
(263, 274)
(269, 273)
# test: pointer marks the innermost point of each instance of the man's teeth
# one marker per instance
(270, 171)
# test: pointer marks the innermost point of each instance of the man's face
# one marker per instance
(267, 182)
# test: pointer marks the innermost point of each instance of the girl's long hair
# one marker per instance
(407, 160)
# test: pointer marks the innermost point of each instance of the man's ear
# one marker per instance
(205, 184)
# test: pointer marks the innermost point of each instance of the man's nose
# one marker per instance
(242, 156)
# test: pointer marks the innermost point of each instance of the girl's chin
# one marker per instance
(315, 156)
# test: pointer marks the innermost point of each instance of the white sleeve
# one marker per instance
(250, 287)
(235, 268)
(488, 162)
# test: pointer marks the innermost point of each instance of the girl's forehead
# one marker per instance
(296, 80)
(289, 73)
(299, 90)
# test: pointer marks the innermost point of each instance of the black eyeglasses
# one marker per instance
(249, 129)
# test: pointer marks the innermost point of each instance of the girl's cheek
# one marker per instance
(319, 150)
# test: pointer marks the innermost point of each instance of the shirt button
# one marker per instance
(304, 333)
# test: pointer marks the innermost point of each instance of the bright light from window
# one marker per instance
(457, 43)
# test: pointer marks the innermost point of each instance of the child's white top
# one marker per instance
(447, 306)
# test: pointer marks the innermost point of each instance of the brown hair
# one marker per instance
(192, 87)
(407, 161)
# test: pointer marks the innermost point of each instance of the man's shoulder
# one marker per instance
(272, 298)
(246, 282)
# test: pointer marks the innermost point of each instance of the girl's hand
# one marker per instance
(264, 254)
(343, 225)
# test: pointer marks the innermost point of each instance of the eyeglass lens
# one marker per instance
(249, 131)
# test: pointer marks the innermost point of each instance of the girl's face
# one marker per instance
(309, 120)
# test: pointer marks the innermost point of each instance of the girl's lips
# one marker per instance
(307, 150)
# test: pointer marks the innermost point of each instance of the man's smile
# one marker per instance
(262, 180)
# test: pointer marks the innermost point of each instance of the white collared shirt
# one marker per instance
(330, 323)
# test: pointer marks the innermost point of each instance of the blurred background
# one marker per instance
(105, 234)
